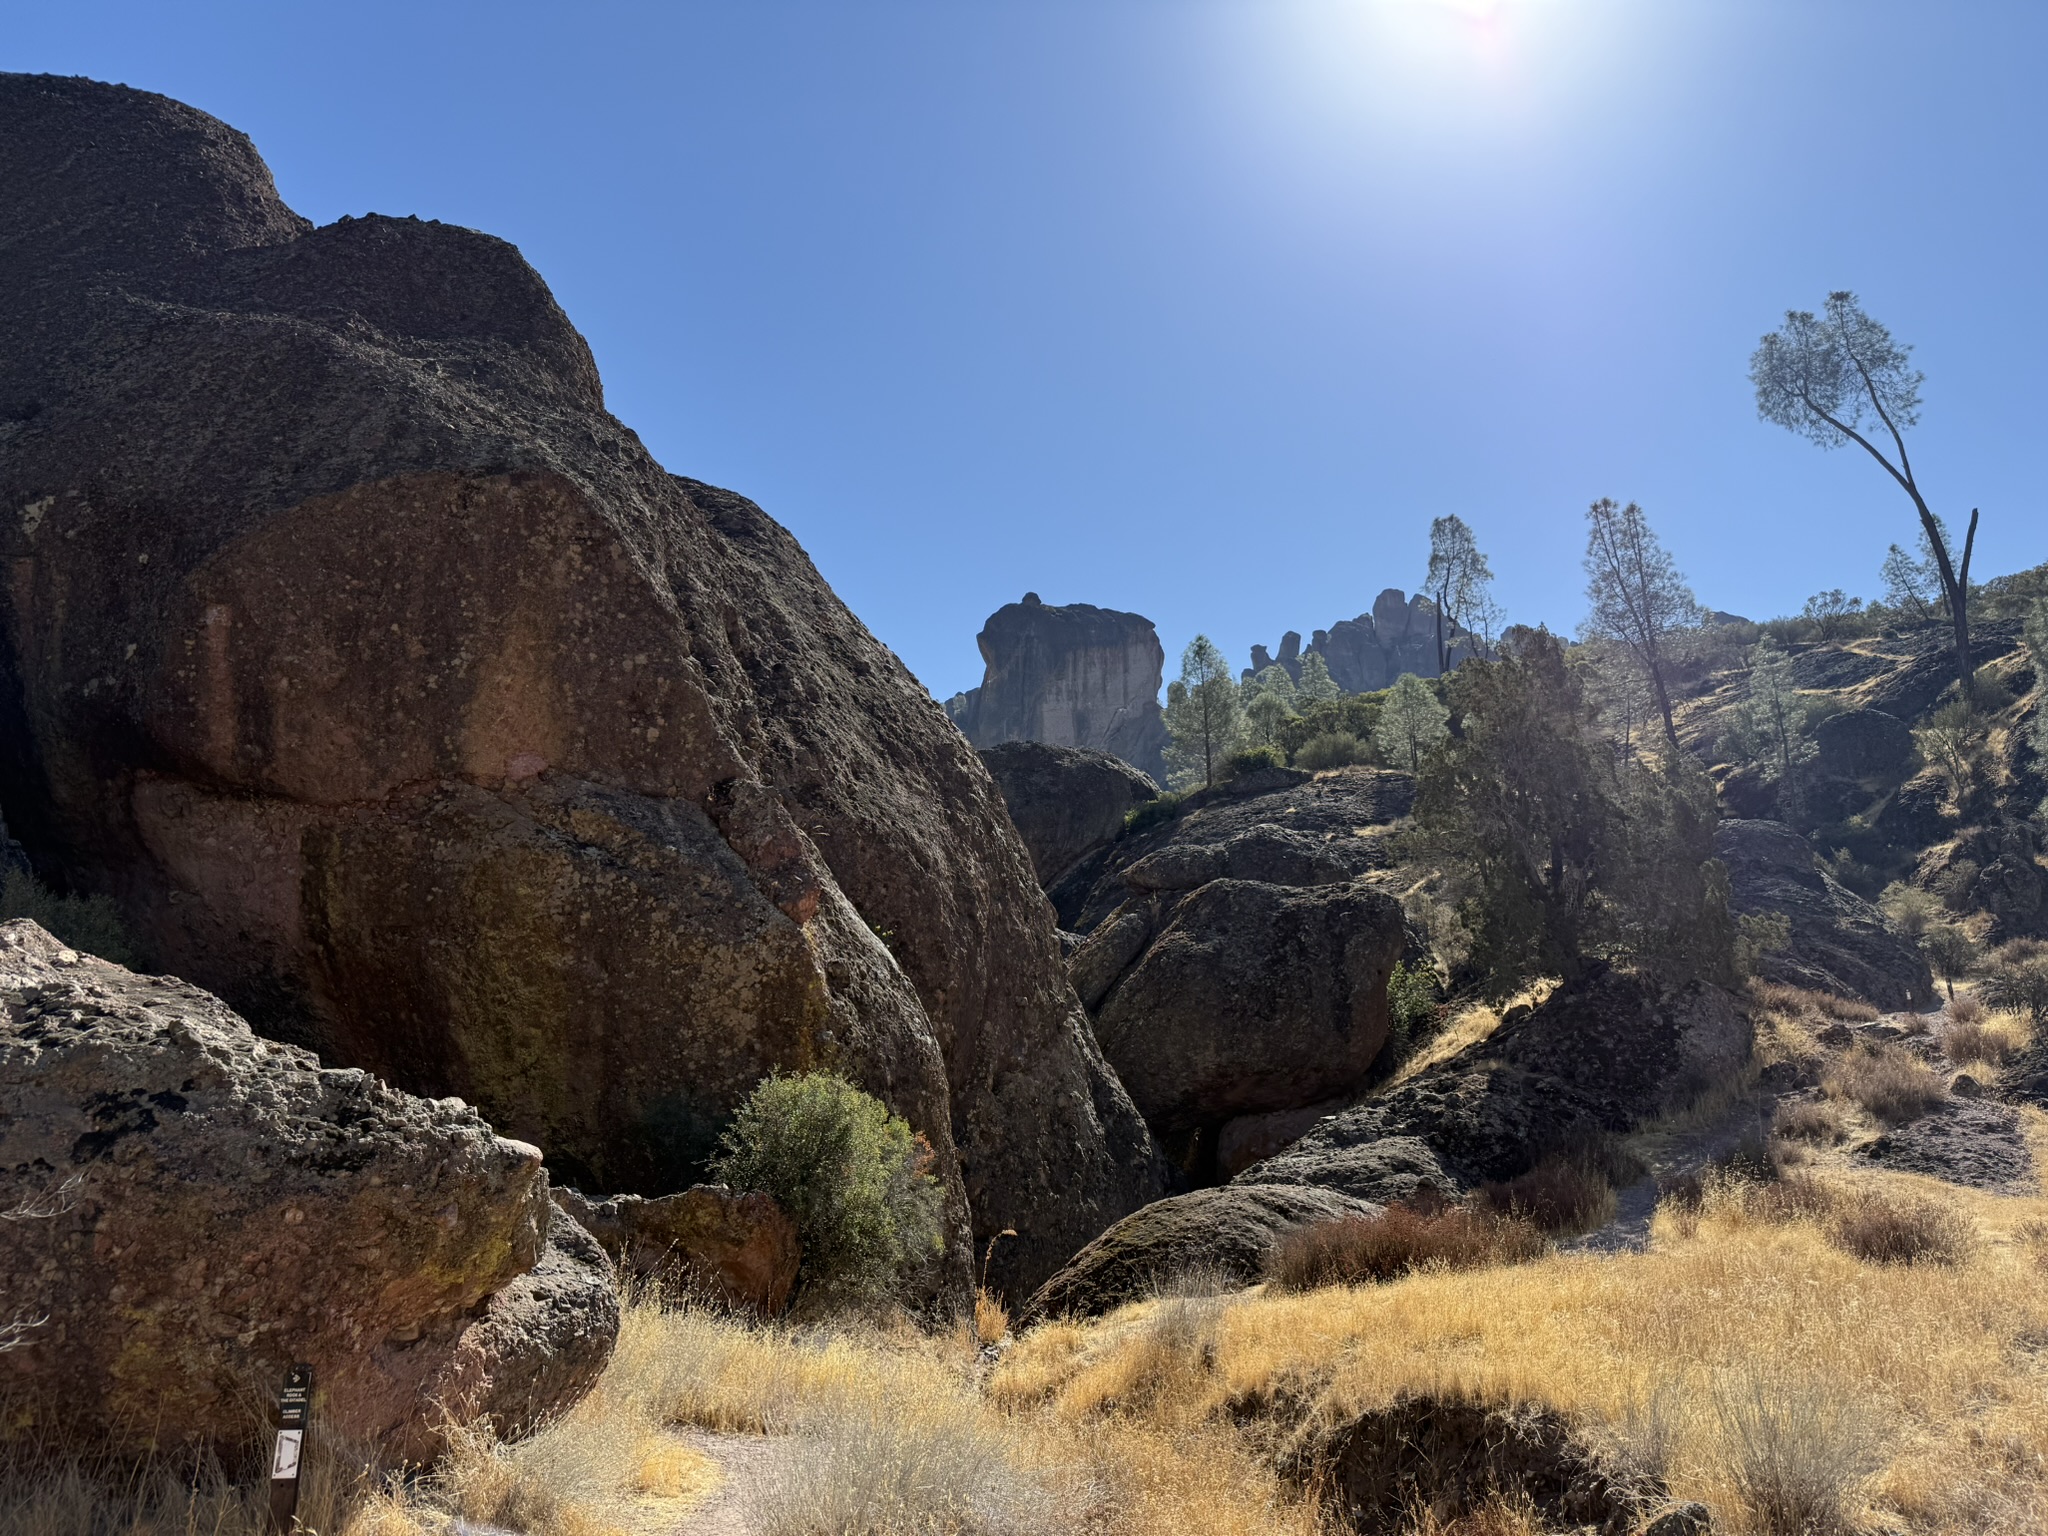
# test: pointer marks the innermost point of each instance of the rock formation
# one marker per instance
(1369, 652)
(1213, 1236)
(736, 1250)
(1839, 942)
(403, 700)
(1066, 802)
(196, 1209)
(1233, 962)
(1072, 676)
(1600, 1056)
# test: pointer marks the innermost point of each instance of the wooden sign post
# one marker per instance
(289, 1454)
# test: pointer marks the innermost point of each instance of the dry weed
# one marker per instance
(1804, 1003)
(1811, 1120)
(1570, 1190)
(1358, 1250)
(991, 1317)
(1993, 1041)
(1965, 1009)
(1891, 1084)
(1883, 1228)
(1798, 1451)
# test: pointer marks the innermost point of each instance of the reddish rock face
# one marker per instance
(738, 1250)
(194, 1209)
(404, 701)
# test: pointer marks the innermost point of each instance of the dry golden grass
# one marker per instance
(1891, 1084)
(1359, 1250)
(1993, 1040)
(1467, 1028)
(1943, 1362)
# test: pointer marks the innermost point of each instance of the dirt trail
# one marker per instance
(1671, 1157)
(743, 1460)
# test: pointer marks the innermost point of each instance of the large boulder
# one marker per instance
(404, 701)
(196, 1209)
(735, 1249)
(1254, 997)
(1839, 942)
(1065, 801)
(1221, 1237)
(1864, 744)
(1071, 676)
(1601, 1055)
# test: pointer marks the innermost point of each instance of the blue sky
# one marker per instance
(1204, 308)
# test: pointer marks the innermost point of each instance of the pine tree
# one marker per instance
(1775, 719)
(1411, 723)
(1204, 718)
(1270, 701)
(1316, 685)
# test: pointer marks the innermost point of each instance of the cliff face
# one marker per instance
(405, 702)
(1369, 652)
(1072, 676)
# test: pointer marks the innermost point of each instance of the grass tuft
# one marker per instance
(1362, 1250)
(1891, 1084)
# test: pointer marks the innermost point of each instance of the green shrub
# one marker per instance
(1758, 934)
(2020, 986)
(1412, 1006)
(1332, 749)
(1153, 813)
(1252, 759)
(855, 1179)
(90, 923)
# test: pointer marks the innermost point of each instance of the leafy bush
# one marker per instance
(1351, 1250)
(1331, 749)
(1252, 759)
(1412, 1006)
(1891, 1084)
(1758, 934)
(90, 923)
(1153, 813)
(1951, 952)
(855, 1179)
(1912, 911)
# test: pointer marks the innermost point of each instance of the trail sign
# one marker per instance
(289, 1453)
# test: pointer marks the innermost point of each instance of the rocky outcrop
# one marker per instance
(735, 1250)
(1839, 942)
(1277, 825)
(1066, 802)
(403, 700)
(1218, 1237)
(1069, 676)
(1233, 962)
(1864, 744)
(1253, 997)
(1369, 652)
(205, 1208)
(1602, 1055)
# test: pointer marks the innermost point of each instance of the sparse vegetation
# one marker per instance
(1362, 1250)
(855, 1179)
(1889, 1083)
(1811, 1120)
(90, 923)
(2018, 983)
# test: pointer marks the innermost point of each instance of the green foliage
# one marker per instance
(1252, 759)
(2037, 653)
(854, 1178)
(1413, 1005)
(1351, 714)
(1833, 613)
(1316, 685)
(1331, 749)
(1204, 716)
(1565, 854)
(1952, 742)
(1269, 703)
(1635, 595)
(90, 923)
(1411, 723)
(1153, 813)
(1912, 911)
(1758, 934)
(1950, 951)
(1774, 720)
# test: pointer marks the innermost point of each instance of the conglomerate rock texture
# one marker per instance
(1070, 676)
(191, 1210)
(403, 700)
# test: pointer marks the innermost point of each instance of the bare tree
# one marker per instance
(1823, 377)
(1459, 579)
(1636, 594)
(45, 1206)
